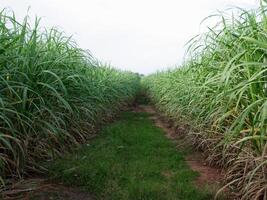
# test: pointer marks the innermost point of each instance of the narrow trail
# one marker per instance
(208, 176)
(128, 160)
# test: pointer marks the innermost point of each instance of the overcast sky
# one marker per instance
(138, 35)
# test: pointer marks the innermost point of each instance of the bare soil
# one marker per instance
(42, 189)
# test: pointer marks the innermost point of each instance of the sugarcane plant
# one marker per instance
(52, 95)
(221, 92)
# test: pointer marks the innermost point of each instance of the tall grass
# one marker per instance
(222, 92)
(52, 94)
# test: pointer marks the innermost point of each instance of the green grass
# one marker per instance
(130, 159)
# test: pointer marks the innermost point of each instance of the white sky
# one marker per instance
(138, 35)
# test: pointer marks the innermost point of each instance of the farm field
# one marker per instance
(72, 127)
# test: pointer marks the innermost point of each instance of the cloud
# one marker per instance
(140, 35)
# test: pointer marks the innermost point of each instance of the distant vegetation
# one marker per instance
(52, 95)
(221, 91)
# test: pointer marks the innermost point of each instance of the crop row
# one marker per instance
(221, 92)
(52, 95)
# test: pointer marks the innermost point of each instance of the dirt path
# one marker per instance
(209, 177)
(41, 189)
